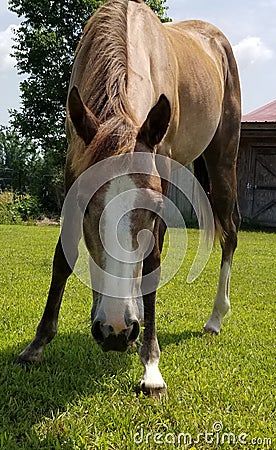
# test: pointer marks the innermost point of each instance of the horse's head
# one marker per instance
(120, 225)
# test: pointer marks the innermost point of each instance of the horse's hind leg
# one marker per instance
(220, 158)
(48, 325)
(228, 239)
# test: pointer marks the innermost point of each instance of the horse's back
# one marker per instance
(204, 60)
(199, 39)
(187, 61)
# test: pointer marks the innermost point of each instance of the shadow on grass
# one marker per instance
(166, 338)
(72, 368)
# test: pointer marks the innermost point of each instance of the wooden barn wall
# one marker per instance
(256, 177)
(256, 174)
(180, 200)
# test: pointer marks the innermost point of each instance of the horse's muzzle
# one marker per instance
(106, 337)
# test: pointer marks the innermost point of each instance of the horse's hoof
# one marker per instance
(23, 362)
(153, 391)
(212, 326)
(29, 356)
(210, 329)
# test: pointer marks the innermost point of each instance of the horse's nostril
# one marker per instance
(100, 332)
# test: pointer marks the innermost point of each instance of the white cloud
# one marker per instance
(3, 6)
(268, 4)
(6, 61)
(252, 50)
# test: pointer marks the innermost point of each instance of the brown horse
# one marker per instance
(142, 87)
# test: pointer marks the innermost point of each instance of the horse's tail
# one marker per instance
(201, 174)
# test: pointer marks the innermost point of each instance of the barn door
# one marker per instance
(264, 185)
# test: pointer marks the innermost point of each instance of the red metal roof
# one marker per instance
(266, 113)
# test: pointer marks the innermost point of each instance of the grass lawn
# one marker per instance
(221, 389)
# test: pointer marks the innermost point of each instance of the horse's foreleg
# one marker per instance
(152, 382)
(48, 325)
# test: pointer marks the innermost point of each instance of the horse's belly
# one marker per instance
(193, 131)
(191, 140)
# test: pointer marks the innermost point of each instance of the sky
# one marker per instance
(250, 26)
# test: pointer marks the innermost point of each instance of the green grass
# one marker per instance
(81, 398)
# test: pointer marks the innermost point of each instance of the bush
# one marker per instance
(8, 214)
(15, 208)
(27, 207)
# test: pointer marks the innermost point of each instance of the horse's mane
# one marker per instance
(106, 35)
(105, 41)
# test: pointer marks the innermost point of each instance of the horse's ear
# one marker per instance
(84, 121)
(154, 128)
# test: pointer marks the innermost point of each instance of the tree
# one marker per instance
(24, 170)
(44, 47)
(18, 159)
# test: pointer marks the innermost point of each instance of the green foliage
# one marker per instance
(24, 169)
(18, 161)
(8, 212)
(158, 6)
(27, 207)
(82, 398)
(15, 208)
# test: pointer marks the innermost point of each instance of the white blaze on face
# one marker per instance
(117, 231)
(116, 234)
(116, 206)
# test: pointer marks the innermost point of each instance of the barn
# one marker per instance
(256, 168)
(256, 173)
